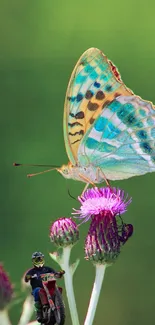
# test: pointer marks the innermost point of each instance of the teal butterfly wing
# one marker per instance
(95, 81)
(121, 142)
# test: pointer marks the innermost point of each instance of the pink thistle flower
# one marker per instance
(6, 289)
(107, 232)
(64, 232)
(100, 201)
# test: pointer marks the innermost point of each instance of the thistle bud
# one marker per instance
(6, 289)
(105, 239)
(64, 232)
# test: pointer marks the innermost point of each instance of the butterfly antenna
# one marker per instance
(36, 174)
(36, 165)
(33, 165)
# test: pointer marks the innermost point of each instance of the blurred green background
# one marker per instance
(40, 42)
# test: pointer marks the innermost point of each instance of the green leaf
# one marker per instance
(74, 266)
(56, 257)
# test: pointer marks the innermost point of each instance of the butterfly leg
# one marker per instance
(99, 170)
(85, 188)
(87, 180)
(106, 180)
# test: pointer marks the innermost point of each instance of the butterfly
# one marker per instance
(109, 132)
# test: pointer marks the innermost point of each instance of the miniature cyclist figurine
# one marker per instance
(33, 275)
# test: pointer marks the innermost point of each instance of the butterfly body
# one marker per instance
(87, 174)
(109, 132)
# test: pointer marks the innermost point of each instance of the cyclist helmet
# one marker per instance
(38, 259)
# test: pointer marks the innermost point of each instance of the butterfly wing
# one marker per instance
(94, 83)
(121, 141)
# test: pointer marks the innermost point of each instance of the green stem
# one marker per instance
(4, 317)
(100, 271)
(68, 277)
(28, 308)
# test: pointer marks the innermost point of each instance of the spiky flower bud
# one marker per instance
(64, 232)
(105, 239)
(6, 289)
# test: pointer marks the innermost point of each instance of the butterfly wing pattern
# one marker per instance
(106, 126)
(94, 82)
(122, 140)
